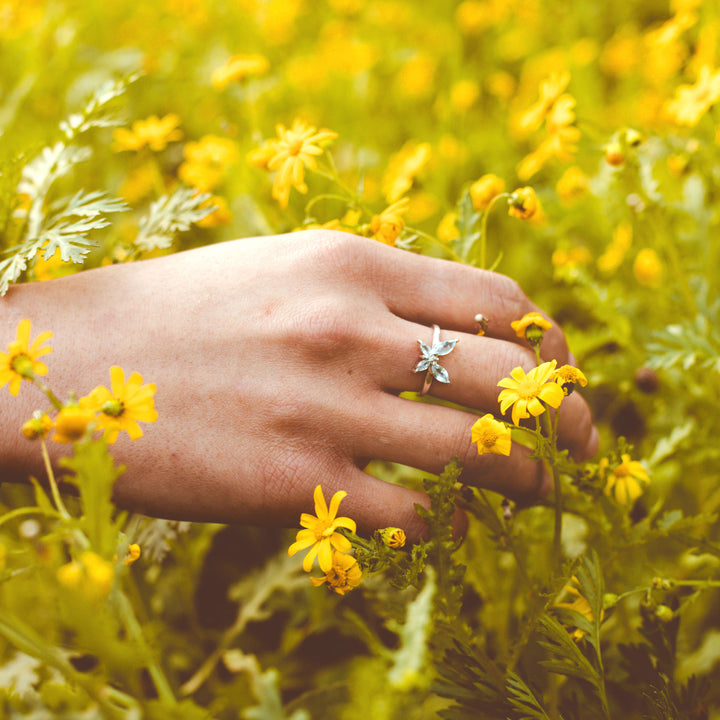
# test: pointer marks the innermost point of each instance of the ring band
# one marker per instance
(429, 362)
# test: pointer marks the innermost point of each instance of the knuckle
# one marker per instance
(340, 254)
(509, 296)
(327, 329)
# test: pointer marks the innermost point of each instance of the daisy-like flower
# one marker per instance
(530, 321)
(523, 203)
(386, 226)
(484, 190)
(295, 150)
(627, 481)
(568, 377)
(71, 423)
(691, 102)
(491, 436)
(20, 362)
(342, 575)
(528, 394)
(154, 132)
(550, 90)
(319, 532)
(122, 407)
(237, 68)
(580, 605)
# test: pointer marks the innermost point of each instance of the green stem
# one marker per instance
(483, 227)
(435, 241)
(134, 629)
(23, 638)
(53, 484)
(48, 392)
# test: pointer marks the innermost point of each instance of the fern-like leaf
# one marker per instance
(169, 215)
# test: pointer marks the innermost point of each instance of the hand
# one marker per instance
(278, 363)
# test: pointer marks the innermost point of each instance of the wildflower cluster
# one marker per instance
(108, 410)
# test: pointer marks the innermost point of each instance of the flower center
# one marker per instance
(337, 577)
(113, 408)
(323, 529)
(489, 438)
(528, 388)
(22, 365)
(295, 147)
(621, 471)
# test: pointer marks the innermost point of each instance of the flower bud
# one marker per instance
(523, 203)
(664, 613)
(614, 154)
(37, 426)
(393, 537)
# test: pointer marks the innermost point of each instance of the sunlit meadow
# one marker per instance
(570, 145)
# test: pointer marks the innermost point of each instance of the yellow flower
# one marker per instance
(38, 426)
(550, 90)
(319, 534)
(237, 68)
(122, 408)
(154, 132)
(484, 190)
(627, 481)
(393, 537)
(526, 322)
(615, 252)
(342, 575)
(580, 605)
(404, 166)
(388, 225)
(576, 256)
(295, 150)
(691, 102)
(221, 215)
(53, 267)
(523, 203)
(491, 436)
(207, 161)
(71, 423)
(261, 156)
(464, 94)
(92, 575)
(568, 377)
(573, 184)
(527, 393)
(21, 360)
(133, 553)
(648, 268)
(447, 229)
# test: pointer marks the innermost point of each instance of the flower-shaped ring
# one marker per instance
(429, 362)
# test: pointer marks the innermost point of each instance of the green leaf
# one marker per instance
(170, 215)
(410, 658)
(95, 474)
(524, 701)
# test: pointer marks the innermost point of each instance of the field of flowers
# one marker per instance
(573, 146)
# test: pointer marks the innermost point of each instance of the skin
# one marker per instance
(278, 363)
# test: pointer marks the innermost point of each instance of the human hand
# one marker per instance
(278, 363)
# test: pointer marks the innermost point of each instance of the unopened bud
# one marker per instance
(393, 537)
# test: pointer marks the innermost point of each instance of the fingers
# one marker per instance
(370, 502)
(432, 291)
(427, 437)
(475, 366)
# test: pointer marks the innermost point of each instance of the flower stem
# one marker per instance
(483, 228)
(134, 629)
(53, 484)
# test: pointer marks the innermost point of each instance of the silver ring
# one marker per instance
(429, 360)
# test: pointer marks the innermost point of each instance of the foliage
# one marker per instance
(118, 142)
